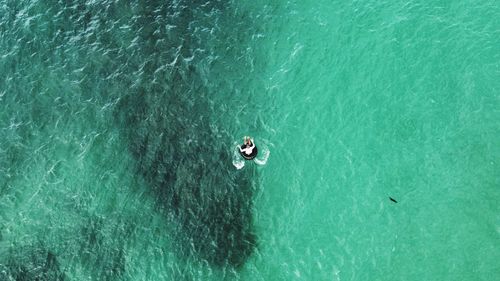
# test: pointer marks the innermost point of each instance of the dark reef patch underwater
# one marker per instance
(30, 263)
(81, 81)
(182, 152)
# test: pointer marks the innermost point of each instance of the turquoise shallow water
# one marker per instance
(118, 119)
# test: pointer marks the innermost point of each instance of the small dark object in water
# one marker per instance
(393, 200)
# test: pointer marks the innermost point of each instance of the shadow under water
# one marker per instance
(30, 263)
(186, 160)
(105, 256)
(181, 150)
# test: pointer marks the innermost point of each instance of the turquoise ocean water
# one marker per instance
(118, 122)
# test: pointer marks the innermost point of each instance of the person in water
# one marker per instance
(247, 147)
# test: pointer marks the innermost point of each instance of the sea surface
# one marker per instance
(377, 123)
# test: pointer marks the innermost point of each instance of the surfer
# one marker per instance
(248, 150)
